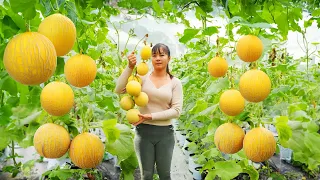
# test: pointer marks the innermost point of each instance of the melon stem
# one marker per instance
(144, 37)
(28, 26)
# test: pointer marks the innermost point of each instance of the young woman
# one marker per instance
(154, 139)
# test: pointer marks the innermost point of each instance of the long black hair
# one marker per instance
(156, 49)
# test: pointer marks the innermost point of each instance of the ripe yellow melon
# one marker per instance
(141, 100)
(86, 150)
(228, 138)
(30, 58)
(217, 67)
(255, 85)
(80, 70)
(60, 30)
(57, 98)
(135, 78)
(126, 103)
(133, 88)
(259, 144)
(249, 48)
(142, 69)
(51, 140)
(132, 115)
(231, 102)
(145, 52)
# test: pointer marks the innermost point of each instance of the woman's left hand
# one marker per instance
(143, 117)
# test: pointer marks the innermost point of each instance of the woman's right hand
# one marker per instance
(132, 60)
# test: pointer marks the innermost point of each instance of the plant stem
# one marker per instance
(13, 157)
(2, 97)
(139, 42)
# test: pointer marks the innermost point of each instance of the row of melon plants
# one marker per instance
(95, 105)
(202, 116)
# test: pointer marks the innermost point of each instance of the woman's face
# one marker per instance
(160, 59)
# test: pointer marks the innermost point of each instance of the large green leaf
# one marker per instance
(128, 166)
(225, 170)
(188, 34)
(109, 128)
(27, 7)
(283, 129)
(123, 146)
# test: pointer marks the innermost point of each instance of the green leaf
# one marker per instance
(201, 105)
(210, 30)
(123, 147)
(27, 7)
(96, 3)
(24, 91)
(167, 5)
(128, 166)
(5, 113)
(312, 140)
(313, 126)
(283, 25)
(316, 12)
(225, 170)
(110, 130)
(249, 169)
(156, 7)
(61, 174)
(9, 85)
(283, 129)
(9, 28)
(256, 25)
(217, 86)
(188, 34)
(4, 138)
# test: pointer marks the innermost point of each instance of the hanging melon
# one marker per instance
(217, 67)
(86, 150)
(231, 102)
(80, 70)
(228, 138)
(30, 58)
(145, 52)
(57, 98)
(51, 140)
(60, 30)
(259, 144)
(255, 85)
(249, 48)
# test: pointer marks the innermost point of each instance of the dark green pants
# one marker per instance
(154, 145)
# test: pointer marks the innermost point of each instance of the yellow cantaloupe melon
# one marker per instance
(133, 88)
(228, 138)
(141, 100)
(30, 58)
(61, 31)
(259, 144)
(57, 98)
(249, 48)
(255, 85)
(126, 103)
(133, 115)
(217, 67)
(86, 150)
(51, 140)
(145, 52)
(80, 70)
(231, 102)
(142, 69)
